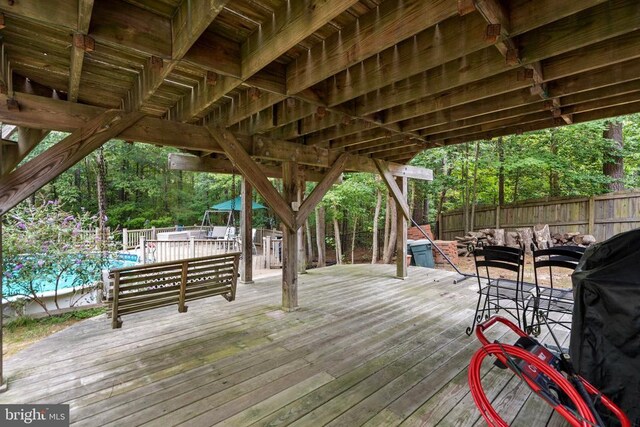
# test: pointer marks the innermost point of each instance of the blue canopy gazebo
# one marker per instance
(231, 206)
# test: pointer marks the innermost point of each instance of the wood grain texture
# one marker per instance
(395, 191)
(30, 177)
(255, 175)
(332, 175)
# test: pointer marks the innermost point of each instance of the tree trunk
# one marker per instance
(387, 215)
(446, 171)
(353, 239)
(613, 166)
(320, 236)
(393, 234)
(376, 216)
(309, 241)
(336, 235)
(102, 195)
(474, 192)
(500, 145)
(465, 192)
(554, 179)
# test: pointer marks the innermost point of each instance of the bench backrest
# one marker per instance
(149, 286)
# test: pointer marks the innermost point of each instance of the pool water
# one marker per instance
(47, 284)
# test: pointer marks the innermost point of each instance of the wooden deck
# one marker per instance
(365, 349)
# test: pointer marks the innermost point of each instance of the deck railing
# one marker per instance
(131, 238)
(172, 250)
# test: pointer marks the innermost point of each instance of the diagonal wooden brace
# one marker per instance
(395, 191)
(321, 189)
(30, 177)
(254, 174)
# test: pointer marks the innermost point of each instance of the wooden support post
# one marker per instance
(246, 232)
(592, 215)
(289, 240)
(3, 383)
(192, 247)
(143, 250)
(116, 322)
(266, 251)
(182, 308)
(302, 256)
(401, 226)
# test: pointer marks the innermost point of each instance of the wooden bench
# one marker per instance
(145, 287)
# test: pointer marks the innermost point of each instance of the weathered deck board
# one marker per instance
(364, 349)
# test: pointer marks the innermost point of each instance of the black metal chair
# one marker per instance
(552, 304)
(498, 293)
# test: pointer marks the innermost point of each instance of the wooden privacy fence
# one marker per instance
(172, 250)
(602, 216)
(150, 286)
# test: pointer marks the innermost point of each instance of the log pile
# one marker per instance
(538, 236)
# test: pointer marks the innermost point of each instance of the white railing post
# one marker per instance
(266, 250)
(143, 249)
(192, 247)
(125, 239)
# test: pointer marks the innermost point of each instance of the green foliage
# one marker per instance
(27, 322)
(43, 245)
(573, 155)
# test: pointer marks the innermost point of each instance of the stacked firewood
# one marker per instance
(539, 236)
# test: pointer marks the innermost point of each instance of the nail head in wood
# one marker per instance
(321, 112)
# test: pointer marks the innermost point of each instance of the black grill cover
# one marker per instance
(605, 335)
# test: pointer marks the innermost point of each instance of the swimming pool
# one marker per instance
(69, 280)
(71, 291)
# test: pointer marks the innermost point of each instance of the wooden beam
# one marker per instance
(593, 28)
(186, 162)
(289, 240)
(30, 177)
(332, 175)
(395, 191)
(80, 43)
(291, 23)
(383, 27)
(46, 113)
(119, 24)
(618, 110)
(187, 25)
(452, 39)
(27, 141)
(58, 13)
(234, 150)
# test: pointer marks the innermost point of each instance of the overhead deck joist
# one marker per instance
(303, 90)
